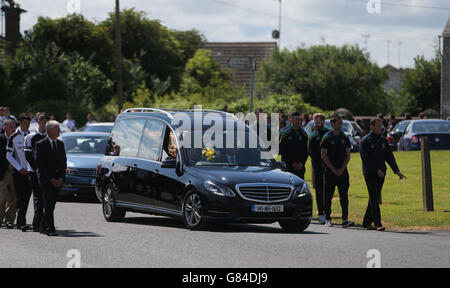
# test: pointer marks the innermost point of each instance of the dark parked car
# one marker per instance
(104, 127)
(347, 128)
(437, 131)
(394, 136)
(84, 151)
(150, 168)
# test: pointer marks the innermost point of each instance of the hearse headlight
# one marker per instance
(302, 190)
(218, 190)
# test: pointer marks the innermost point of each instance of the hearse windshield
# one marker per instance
(239, 147)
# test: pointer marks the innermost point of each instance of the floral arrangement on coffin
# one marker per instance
(208, 153)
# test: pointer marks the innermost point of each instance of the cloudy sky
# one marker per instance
(411, 25)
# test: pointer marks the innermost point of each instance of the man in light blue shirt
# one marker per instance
(70, 123)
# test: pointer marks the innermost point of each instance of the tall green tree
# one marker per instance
(52, 81)
(203, 76)
(328, 77)
(3, 85)
(422, 85)
(203, 83)
(151, 52)
(75, 33)
(161, 52)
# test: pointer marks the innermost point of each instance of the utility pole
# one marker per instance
(119, 58)
(366, 37)
(2, 18)
(388, 51)
(279, 26)
(252, 84)
(276, 34)
(399, 54)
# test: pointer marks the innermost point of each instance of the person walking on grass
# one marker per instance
(335, 152)
(317, 163)
(375, 152)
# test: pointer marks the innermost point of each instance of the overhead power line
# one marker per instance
(324, 24)
(404, 5)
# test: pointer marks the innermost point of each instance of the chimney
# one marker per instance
(12, 23)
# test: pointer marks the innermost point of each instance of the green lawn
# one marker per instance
(402, 200)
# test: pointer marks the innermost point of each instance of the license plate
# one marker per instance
(268, 208)
(92, 181)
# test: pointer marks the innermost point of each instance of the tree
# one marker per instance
(151, 52)
(3, 85)
(161, 52)
(204, 77)
(51, 81)
(327, 77)
(3, 76)
(75, 33)
(203, 83)
(421, 88)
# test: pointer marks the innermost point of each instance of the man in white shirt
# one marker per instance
(70, 123)
(8, 115)
(90, 119)
(15, 153)
(30, 149)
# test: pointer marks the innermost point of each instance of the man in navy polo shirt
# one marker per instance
(335, 151)
(294, 146)
(375, 152)
(314, 151)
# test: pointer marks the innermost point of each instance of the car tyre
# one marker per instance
(193, 211)
(294, 226)
(111, 212)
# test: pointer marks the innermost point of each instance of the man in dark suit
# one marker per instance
(52, 164)
(7, 191)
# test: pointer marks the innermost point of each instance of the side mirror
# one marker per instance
(169, 163)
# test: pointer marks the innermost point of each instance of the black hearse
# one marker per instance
(158, 162)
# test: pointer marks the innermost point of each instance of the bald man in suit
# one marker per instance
(52, 164)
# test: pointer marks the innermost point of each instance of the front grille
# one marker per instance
(265, 192)
(86, 173)
(67, 188)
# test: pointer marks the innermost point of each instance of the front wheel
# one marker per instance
(194, 211)
(111, 212)
(294, 226)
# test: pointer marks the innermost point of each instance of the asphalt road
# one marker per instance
(152, 241)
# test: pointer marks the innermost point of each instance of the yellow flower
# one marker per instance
(209, 153)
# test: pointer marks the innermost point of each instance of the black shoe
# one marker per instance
(347, 223)
(24, 228)
(9, 226)
(370, 227)
(52, 234)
